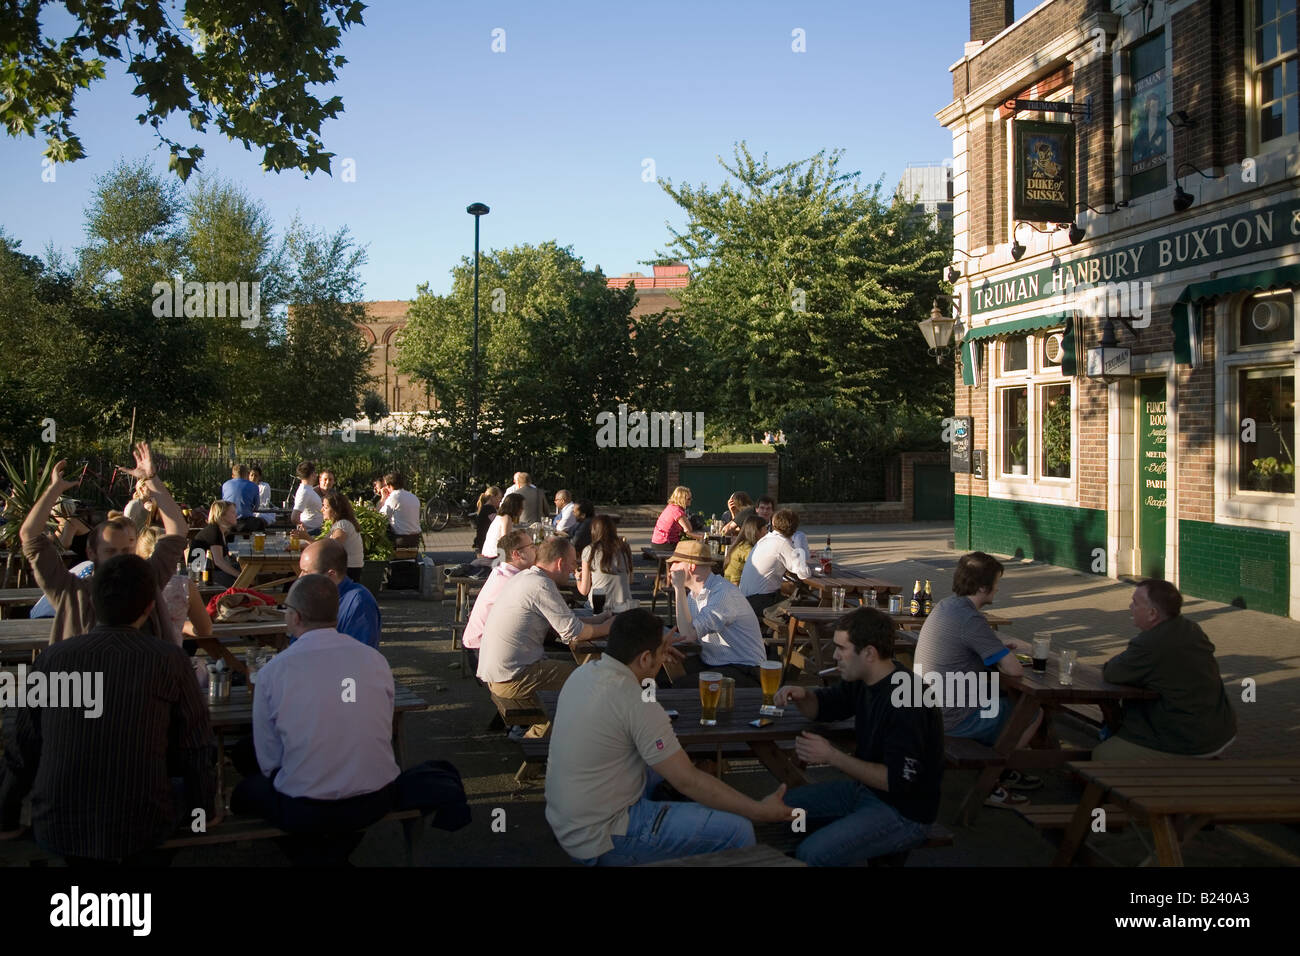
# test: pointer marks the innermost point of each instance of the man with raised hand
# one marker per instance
(712, 612)
(608, 731)
(892, 794)
(101, 776)
(74, 611)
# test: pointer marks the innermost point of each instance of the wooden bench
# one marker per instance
(230, 830)
(512, 712)
(1057, 816)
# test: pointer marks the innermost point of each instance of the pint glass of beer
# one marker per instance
(294, 543)
(1042, 648)
(259, 542)
(710, 693)
(770, 678)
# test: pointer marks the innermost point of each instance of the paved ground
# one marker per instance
(1087, 613)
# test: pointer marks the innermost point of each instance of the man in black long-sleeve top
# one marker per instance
(101, 784)
(896, 768)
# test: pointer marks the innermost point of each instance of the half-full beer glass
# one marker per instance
(769, 678)
(710, 694)
(1042, 648)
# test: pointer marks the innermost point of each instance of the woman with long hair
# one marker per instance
(607, 567)
(753, 528)
(508, 512)
(214, 537)
(343, 528)
(673, 522)
(485, 511)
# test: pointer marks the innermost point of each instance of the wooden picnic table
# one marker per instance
(33, 636)
(815, 624)
(18, 597)
(217, 646)
(853, 582)
(733, 727)
(1036, 691)
(268, 563)
(1179, 797)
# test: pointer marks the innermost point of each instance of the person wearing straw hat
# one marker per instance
(711, 610)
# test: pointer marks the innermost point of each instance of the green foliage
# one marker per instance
(373, 528)
(26, 484)
(1268, 474)
(1018, 448)
(240, 66)
(555, 354)
(805, 288)
(374, 407)
(1056, 436)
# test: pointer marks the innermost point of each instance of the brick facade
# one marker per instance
(1224, 539)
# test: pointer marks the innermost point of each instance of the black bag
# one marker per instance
(403, 575)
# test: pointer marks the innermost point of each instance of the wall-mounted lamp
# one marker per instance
(1180, 120)
(953, 272)
(938, 329)
(1077, 232)
(1182, 198)
(1017, 250)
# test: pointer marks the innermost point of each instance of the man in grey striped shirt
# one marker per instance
(102, 787)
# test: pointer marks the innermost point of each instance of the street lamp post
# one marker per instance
(476, 210)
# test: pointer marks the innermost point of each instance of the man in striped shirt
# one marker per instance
(102, 787)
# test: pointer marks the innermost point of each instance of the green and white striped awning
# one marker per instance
(1186, 311)
(970, 360)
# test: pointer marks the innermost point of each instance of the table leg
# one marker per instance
(1168, 852)
(215, 649)
(789, 642)
(247, 575)
(1021, 717)
(1080, 823)
(775, 760)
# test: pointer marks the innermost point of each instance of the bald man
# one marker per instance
(358, 612)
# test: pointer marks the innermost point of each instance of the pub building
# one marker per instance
(1126, 280)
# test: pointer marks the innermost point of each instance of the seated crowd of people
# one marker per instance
(619, 789)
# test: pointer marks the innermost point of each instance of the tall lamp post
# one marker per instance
(476, 210)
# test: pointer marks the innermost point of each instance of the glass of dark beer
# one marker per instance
(1042, 647)
(598, 601)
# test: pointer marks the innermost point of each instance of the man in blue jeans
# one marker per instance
(896, 768)
(608, 728)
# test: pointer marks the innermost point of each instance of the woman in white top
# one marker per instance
(512, 506)
(306, 503)
(607, 567)
(343, 529)
(263, 489)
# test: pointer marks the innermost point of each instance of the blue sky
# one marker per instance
(551, 133)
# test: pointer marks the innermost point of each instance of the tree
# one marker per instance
(320, 363)
(133, 232)
(554, 349)
(240, 65)
(806, 288)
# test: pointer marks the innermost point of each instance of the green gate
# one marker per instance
(712, 485)
(931, 493)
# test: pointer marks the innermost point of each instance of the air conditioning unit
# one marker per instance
(1267, 316)
(1053, 348)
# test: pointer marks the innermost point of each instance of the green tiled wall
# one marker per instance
(1242, 566)
(1050, 533)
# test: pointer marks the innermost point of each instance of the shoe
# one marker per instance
(1005, 798)
(1017, 780)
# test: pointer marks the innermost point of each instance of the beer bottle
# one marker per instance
(826, 556)
(917, 598)
(207, 569)
(929, 600)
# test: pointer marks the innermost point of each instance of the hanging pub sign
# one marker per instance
(1044, 170)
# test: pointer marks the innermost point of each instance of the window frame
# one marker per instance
(1256, 145)
(1270, 509)
(1032, 485)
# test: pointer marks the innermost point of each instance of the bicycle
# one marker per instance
(97, 485)
(444, 507)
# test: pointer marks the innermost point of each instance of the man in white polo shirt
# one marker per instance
(711, 610)
(402, 509)
(606, 734)
(772, 557)
(512, 661)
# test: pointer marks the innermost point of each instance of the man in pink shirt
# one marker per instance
(521, 554)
